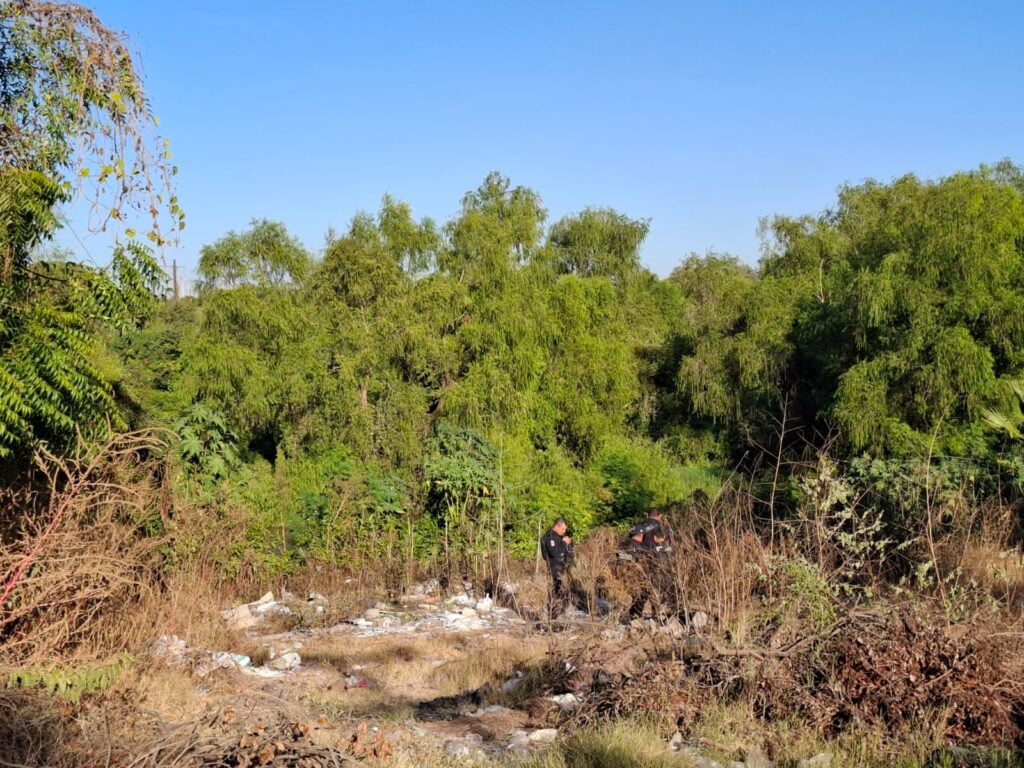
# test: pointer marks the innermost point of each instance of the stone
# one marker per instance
(239, 617)
(676, 742)
(543, 736)
(699, 620)
(171, 648)
(264, 600)
(519, 742)
(286, 662)
(484, 605)
(756, 759)
(469, 613)
(372, 613)
(821, 760)
(457, 748)
(695, 759)
(674, 627)
(567, 702)
(513, 682)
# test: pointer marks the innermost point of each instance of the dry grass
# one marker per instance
(73, 576)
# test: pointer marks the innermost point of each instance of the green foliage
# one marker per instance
(464, 489)
(804, 592)
(598, 242)
(72, 683)
(638, 476)
(52, 318)
(480, 379)
(207, 443)
(264, 255)
(73, 107)
(913, 319)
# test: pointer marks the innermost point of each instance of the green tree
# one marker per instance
(75, 121)
(264, 255)
(73, 107)
(911, 316)
(598, 242)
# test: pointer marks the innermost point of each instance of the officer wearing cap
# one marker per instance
(646, 575)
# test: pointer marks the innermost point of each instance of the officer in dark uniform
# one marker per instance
(647, 577)
(556, 549)
(652, 531)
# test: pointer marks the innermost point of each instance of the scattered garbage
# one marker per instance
(352, 681)
(286, 662)
(170, 648)
(249, 615)
(567, 702)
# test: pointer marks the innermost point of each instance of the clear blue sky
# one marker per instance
(702, 117)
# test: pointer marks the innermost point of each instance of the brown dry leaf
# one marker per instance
(266, 754)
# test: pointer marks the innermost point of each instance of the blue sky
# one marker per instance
(702, 117)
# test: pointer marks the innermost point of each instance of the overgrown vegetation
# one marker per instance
(836, 431)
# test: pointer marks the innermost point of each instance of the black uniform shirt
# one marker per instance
(553, 549)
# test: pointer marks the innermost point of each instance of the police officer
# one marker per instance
(651, 533)
(556, 549)
(649, 577)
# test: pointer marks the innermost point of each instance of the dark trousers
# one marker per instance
(559, 594)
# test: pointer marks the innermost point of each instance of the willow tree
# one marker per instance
(912, 324)
(74, 124)
(599, 242)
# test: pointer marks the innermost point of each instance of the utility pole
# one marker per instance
(174, 280)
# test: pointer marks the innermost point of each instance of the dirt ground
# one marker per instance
(427, 679)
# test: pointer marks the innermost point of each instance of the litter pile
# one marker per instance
(425, 612)
(173, 650)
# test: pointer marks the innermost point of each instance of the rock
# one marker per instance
(457, 748)
(695, 759)
(380, 606)
(484, 605)
(262, 608)
(286, 662)
(692, 648)
(469, 613)
(567, 702)
(543, 736)
(513, 682)
(821, 760)
(519, 742)
(676, 742)
(264, 600)
(756, 759)
(316, 597)
(239, 618)
(674, 627)
(699, 620)
(371, 614)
